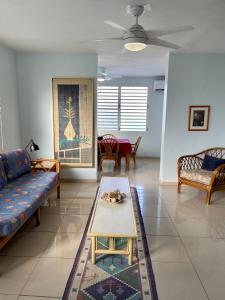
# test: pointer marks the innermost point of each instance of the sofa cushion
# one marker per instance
(200, 175)
(210, 163)
(16, 163)
(3, 178)
(21, 197)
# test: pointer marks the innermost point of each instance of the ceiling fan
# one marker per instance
(104, 76)
(136, 38)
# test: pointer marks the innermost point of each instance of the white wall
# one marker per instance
(9, 100)
(193, 79)
(35, 73)
(151, 139)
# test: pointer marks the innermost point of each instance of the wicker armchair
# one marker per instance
(190, 172)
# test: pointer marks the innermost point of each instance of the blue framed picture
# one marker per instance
(73, 121)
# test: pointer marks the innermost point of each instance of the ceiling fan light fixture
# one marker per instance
(135, 46)
(101, 79)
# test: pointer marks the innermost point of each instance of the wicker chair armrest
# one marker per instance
(40, 163)
(218, 175)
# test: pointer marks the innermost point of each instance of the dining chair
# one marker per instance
(134, 148)
(108, 136)
(108, 150)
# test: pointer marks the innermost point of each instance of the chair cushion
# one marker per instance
(200, 175)
(21, 197)
(3, 177)
(210, 163)
(16, 163)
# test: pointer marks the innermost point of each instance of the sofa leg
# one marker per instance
(100, 165)
(38, 216)
(208, 198)
(58, 191)
(179, 187)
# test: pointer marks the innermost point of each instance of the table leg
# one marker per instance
(112, 244)
(119, 161)
(130, 249)
(128, 161)
(93, 247)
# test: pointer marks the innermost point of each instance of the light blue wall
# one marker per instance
(35, 73)
(193, 79)
(151, 139)
(9, 100)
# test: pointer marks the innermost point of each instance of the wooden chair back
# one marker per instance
(108, 136)
(136, 145)
(109, 147)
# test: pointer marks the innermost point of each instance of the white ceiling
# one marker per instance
(60, 25)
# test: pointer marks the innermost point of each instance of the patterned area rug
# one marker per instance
(111, 278)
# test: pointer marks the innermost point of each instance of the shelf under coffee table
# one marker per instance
(113, 221)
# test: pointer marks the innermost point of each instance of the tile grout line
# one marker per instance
(29, 276)
(48, 258)
(38, 261)
(191, 262)
(34, 296)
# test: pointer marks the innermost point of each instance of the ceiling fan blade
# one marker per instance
(103, 40)
(166, 31)
(117, 76)
(147, 7)
(115, 25)
(138, 2)
(158, 42)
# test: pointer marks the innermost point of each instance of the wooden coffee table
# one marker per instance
(113, 220)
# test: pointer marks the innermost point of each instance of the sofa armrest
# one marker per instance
(46, 165)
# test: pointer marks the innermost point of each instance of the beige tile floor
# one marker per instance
(186, 240)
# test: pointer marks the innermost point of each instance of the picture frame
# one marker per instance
(198, 118)
(73, 121)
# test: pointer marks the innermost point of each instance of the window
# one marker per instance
(108, 107)
(133, 108)
(122, 108)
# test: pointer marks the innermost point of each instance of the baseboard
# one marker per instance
(148, 157)
(167, 183)
(73, 180)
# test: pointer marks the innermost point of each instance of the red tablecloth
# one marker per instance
(124, 146)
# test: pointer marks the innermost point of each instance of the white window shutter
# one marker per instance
(133, 109)
(108, 99)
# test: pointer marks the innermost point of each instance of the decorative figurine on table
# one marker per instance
(113, 197)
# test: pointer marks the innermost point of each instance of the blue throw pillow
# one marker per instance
(210, 163)
(16, 163)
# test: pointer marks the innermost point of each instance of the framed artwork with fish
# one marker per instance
(73, 121)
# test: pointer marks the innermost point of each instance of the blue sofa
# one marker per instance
(24, 186)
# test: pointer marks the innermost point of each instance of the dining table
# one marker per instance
(124, 150)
